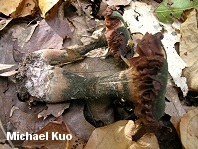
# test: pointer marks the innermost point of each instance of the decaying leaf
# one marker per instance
(3, 23)
(60, 27)
(188, 49)
(25, 35)
(46, 5)
(8, 6)
(8, 73)
(44, 37)
(174, 107)
(139, 23)
(170, 9)
(189, 39)
(6, 146)
(61, 129)
(119, 136)
(6, 51)
(189, 130)
(118, 2)
(24, 122)
(5, 66)
(25, 8)
(54, 109)
(75, 119)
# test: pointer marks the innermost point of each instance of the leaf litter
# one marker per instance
(47, 34)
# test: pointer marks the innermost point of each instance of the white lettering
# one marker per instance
(10, 136)
(28, 136)
(18, 136)
(22, 136)
(54, 135)
(61, 136)
(68, 136)
(41, 137)
(46, 136)
(35, 136)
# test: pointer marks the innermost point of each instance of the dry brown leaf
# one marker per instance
(188, 49)
(189, 130)
(174, 107)
(9, 6)
(44, 37)
(60, 27)
(5, 106)
(75, 119)
(24, 122)
(119, 136)
(25, 8)
(6, 146)
(25, 35)
(189, 39)
(6, 52)
(118, 2)
(54, 109)
(55, 127)
(46, 5)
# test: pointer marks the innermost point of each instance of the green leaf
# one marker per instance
(170, 9)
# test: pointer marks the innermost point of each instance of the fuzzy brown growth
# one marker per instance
(147, 82)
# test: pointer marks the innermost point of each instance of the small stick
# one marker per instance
(4, 132)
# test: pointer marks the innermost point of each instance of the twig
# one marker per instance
(4, 132)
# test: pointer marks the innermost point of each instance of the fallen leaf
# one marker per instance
(189, 39)
(24, 122)
(60, 128)
(46, 5)
(8, 73)
(118, 2)
(60, 27)
(174, 107)
(9, 6)
(3, 23)
(188, 49)
(137, 17)
(25, 34)
(6, 49)
(44, 37)
(75, 119)
(25, 8)
(5, 66)
(6, 146)
(102, 111)
(119, 136)
(189, 130)
(168, 10)
(54, 109)
(5, 105)
(175, 63)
